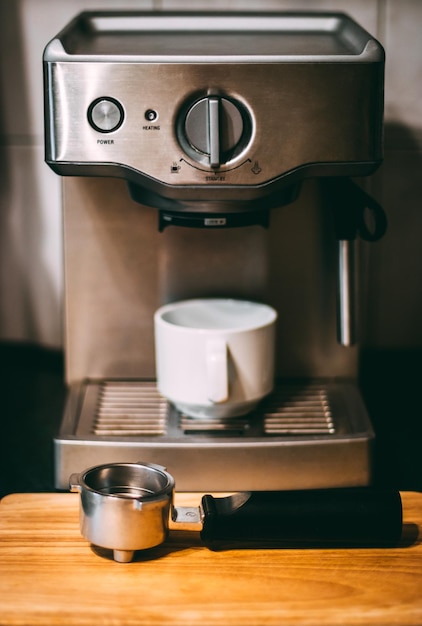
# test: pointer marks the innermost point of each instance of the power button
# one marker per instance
(105, 114)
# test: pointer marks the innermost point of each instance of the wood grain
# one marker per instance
(50, 575)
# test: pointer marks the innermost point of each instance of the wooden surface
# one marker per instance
(50, 575)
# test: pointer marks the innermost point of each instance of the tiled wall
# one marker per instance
(30, 220)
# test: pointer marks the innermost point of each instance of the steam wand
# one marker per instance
(348, 203)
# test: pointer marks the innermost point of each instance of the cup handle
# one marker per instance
(217, 371)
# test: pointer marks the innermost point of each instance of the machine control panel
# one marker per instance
(243, 107)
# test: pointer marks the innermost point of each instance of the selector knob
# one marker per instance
(214, 128)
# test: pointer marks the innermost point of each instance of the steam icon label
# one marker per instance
(255, 169)
(174, 168)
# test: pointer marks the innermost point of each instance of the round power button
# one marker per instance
(105, 114)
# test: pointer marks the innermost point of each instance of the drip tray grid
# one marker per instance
(135, 409)
(129, 410)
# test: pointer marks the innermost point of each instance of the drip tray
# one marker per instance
(306, 434)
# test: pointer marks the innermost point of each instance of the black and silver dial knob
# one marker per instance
(214, 130)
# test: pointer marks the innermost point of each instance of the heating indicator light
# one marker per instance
(151, 115)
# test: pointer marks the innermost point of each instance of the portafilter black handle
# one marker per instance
(349, 517)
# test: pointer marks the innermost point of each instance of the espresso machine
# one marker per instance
(211, 155)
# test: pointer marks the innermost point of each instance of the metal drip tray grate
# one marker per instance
(129, 410)
(292, 409)
(134, 409)
(299, 410)
(233, 426)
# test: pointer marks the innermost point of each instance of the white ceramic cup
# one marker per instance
(215, 357)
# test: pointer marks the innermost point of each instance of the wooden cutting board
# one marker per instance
(50, 575)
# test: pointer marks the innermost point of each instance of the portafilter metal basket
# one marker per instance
(124, 506)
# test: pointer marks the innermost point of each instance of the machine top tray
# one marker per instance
(237, 37)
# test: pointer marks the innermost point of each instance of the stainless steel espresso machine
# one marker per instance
(211, 155)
